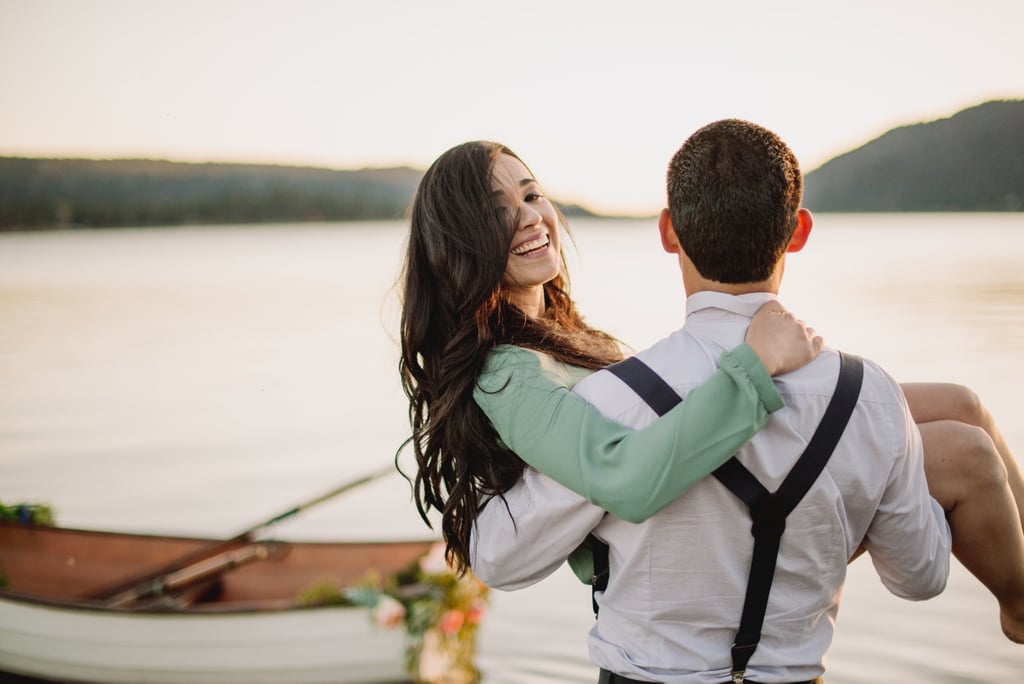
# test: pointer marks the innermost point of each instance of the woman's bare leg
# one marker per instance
(967, 476)
(930, 402)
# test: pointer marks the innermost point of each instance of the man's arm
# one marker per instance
(520, 545)
(909, 539)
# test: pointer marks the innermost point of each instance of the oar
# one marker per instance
(151, 581)
(204, 570)
(320, 499)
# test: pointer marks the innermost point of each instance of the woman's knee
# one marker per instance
(981, 462)
(967, 406)
(960, 460)
(941, 401)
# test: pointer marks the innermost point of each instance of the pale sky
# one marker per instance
(595, 96)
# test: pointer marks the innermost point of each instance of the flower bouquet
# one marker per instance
(439, 610)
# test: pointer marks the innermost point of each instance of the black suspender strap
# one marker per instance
(768, 510)
(650, 386)
(599, 581)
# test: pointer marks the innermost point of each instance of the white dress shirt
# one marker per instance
(675, 594)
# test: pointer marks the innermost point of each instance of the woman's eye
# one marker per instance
(533, 196)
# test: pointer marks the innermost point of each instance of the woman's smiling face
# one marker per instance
(535, 256)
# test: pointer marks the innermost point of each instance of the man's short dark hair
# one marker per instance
(734, 191)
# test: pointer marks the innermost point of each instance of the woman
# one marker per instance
(486, 298)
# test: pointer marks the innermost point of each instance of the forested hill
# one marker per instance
(972, 161)
(70, 193)
(83, 192)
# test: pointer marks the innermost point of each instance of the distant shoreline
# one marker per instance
(967, 163)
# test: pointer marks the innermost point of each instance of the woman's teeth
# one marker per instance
(531, 246)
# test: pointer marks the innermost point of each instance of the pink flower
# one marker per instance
(451, 622)
(388, 612)
(475, 612)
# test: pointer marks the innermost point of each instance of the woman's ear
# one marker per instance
(669, 241)
(804, 223)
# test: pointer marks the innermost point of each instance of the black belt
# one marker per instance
(612, 678)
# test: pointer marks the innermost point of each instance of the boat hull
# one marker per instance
(309, 645)
(58, 621)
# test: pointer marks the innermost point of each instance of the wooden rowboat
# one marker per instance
(90, 606)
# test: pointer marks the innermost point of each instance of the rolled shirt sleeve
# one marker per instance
(523, 536)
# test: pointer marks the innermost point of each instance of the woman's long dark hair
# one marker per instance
(455, 309)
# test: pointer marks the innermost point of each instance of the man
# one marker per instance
(678, 581)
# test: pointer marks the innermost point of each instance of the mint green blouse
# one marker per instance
(629, 473)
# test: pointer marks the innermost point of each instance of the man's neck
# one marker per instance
(694, 282)
(732, 288)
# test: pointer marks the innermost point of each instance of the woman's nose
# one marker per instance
(528, 217)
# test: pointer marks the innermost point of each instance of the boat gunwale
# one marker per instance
(247, 606)
(268, 606)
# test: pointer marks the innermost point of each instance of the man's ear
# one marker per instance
(804, 223)
(669, 241)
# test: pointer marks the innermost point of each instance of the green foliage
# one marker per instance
(973, 161)
(325, 594)
(35, 514)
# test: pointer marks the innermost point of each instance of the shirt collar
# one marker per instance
(744, 304)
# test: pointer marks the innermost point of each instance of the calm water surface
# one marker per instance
(200, 380)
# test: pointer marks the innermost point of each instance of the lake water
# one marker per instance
(200, 380)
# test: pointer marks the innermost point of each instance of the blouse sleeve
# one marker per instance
(629, 473)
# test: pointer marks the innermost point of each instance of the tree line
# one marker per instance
(83, 193)
(135, 192)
